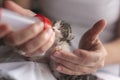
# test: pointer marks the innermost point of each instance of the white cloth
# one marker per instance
(105, 76)
(38, 71)
(27, 71)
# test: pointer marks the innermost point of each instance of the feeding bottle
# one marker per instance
(18, 21)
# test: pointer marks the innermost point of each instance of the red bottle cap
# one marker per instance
(46, 21)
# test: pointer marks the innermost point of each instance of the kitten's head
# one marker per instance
(63, 31)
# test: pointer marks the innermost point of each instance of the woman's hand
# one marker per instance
(33, 39)
(85, 60)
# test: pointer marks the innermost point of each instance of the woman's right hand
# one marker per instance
(33, 39)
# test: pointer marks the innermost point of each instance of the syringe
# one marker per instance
(18, 21)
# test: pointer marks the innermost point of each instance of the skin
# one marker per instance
(38, 38)
(87, 59)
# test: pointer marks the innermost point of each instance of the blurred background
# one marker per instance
(28, 4)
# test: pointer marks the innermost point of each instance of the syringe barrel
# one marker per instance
(17, 21)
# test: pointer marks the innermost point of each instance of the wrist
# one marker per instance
(113, 51)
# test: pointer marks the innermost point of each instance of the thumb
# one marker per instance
(94, 32)
(91, 35)
(16, 8)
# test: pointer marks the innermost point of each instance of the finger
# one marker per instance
(74, 67)
(88, 58)
(37, 42)
(66, 56)
(49, 43)
(91, 36)
(45, 47)
(9, 4)
(65, 70)
(65, 63)
(93, 33)
(96, 65)
(4, 30)
(22, 36)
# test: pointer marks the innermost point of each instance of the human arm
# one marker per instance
(113, 49)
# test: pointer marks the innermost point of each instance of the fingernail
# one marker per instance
(57, 54)
(59, 68)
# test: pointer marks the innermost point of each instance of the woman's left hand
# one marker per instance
(85, 60)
